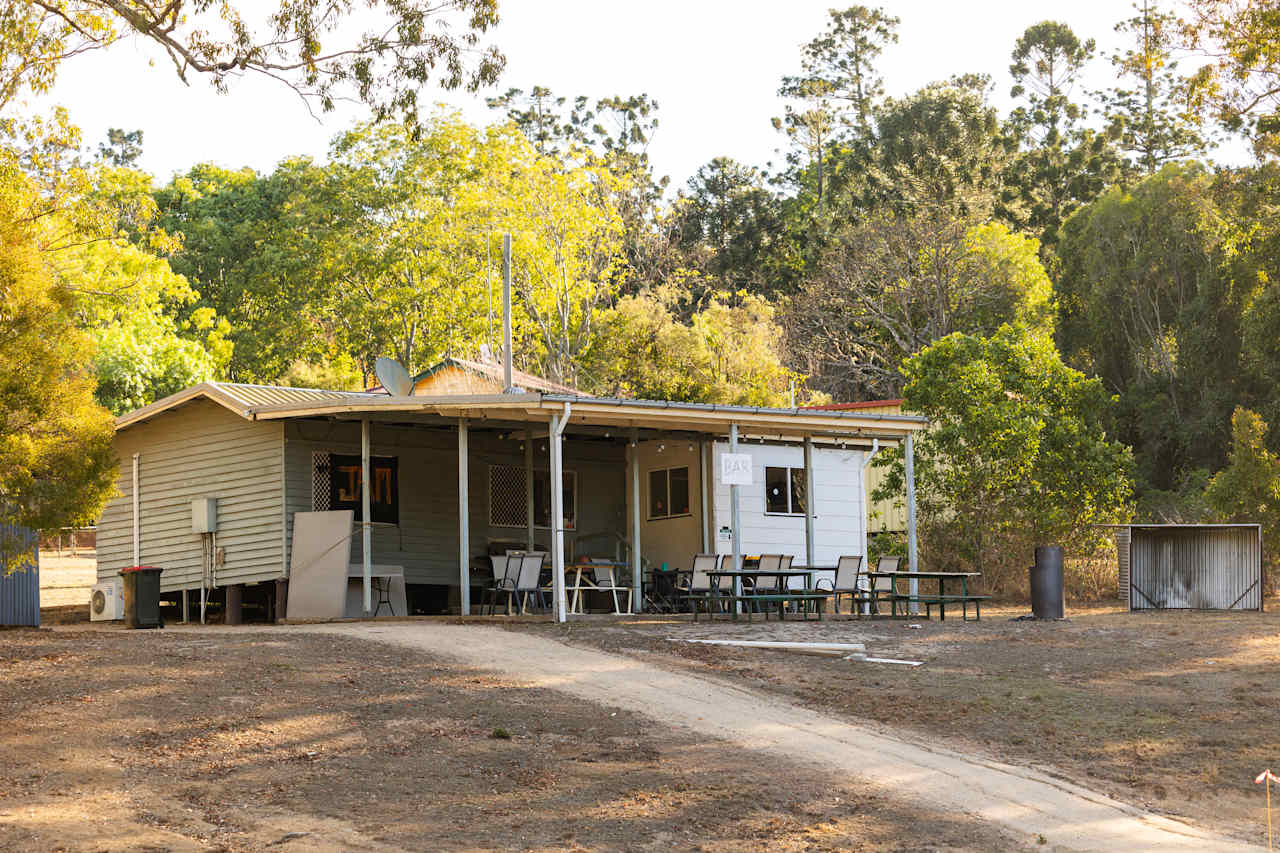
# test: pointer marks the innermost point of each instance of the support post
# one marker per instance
(866, 511)
(137, 530)
(636, 579)
(733, 518)
(809, 501)
(528, 490)
(909, 462)
(704, 483)
(464, 521)
(558, 422)
(282, 599)
(233, 612)
(366, 530)
(186, 606)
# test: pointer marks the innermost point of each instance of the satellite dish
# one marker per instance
(394, 378)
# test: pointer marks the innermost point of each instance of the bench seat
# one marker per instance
(941, 602)
(781, 598)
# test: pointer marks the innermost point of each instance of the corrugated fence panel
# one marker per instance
(20, 591)
(1122, 557)
(1195, 568)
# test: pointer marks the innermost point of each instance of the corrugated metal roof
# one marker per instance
(263, 401)
(865, 404)
(273, 395)
(241, 398)
(494, 371)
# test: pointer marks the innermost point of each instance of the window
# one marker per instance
(784, 491)
(335, 484)
(507, 507)
(669, 492)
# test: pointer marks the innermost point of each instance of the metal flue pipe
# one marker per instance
(508, 375)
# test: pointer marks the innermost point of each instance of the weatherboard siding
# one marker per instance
(198, 450)
(838, 509)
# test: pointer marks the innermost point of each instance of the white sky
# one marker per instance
(713, 66)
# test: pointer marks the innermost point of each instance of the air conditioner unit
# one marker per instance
(106, 602)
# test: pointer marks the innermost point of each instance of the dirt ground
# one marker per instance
(175, 740)
(1173, 711)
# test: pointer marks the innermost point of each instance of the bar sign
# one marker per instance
(735, 469)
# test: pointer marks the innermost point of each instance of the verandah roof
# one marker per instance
(264, 402)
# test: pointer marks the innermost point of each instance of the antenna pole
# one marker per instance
(507, 370)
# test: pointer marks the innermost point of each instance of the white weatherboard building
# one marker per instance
(452, 478)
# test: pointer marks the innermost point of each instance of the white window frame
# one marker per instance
(791, 513)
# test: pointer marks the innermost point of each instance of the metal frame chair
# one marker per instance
(887, 564)
(506, 583)
(848, 581)
(527, 579)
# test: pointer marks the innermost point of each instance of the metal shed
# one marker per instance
(19, 578)
(1191, 566)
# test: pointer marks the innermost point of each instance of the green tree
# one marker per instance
(727, 352)
(939, 149)
(844, 56)
(1248, 489)
(1016, 454)
(894, 285)
(1239, 87)
(729, 222)
(1059, 163)
(248, 245)
(57, 466)
(122, 148)
(1155, 127)
(1149, 303)
(414, 237)
(308, 45)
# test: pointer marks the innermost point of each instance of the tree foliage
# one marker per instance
(726, 353)
(303, 44)
(1239, 87)
(1248, 489)
(894, 285)
(57, 466)
(1148, 303)
(1148, 102)
(1017, 452)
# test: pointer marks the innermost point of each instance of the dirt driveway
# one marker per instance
(1174, 712)
(283, 740)
(1030, 803)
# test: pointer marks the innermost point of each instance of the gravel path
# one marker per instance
(1023, 800)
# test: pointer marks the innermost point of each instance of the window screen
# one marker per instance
(507, 506)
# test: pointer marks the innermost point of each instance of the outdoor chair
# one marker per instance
(766, 584)
(527, 579)
(848, 581)
(886, 587)
(505, 569)
(602, 570)
(699, 583)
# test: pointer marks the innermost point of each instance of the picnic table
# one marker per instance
(783, 596)
(581, 584)
(942, 598)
